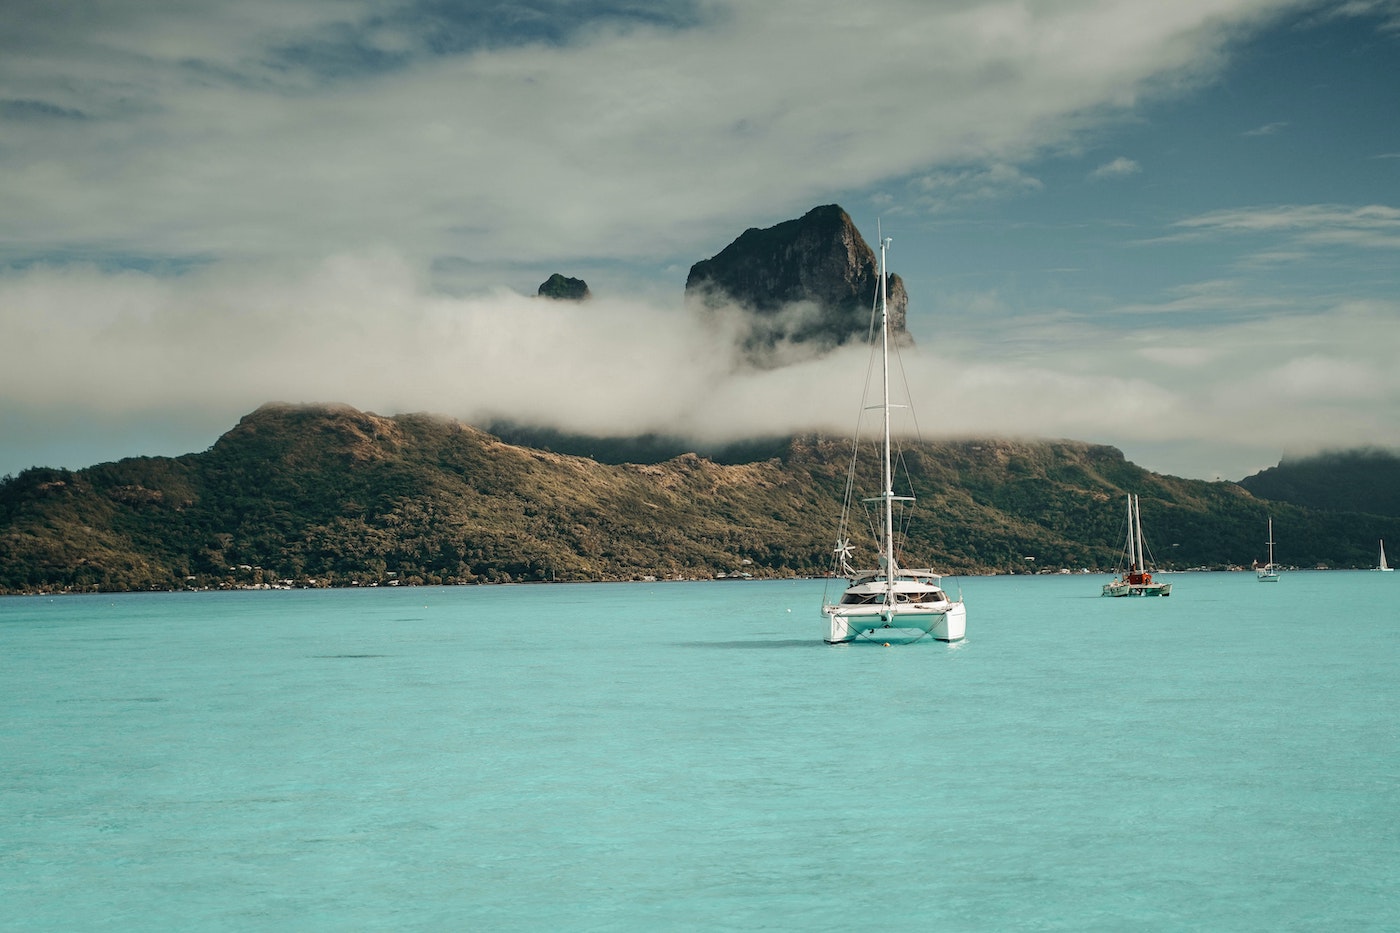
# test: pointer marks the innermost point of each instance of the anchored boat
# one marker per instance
(890, 604)
(1269, 572)
(1135, 580)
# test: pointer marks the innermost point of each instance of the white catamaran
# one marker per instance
(1269, 572)
(890, 604)
(1136, 581)
(1383, 565)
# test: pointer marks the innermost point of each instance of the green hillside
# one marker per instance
(331, 496)
(1345, 481)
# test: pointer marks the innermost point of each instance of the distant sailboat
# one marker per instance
(1269, 572)
(1135, 580)
(1383, 565)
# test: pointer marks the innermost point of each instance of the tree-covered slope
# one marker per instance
(1343, 481)
(327, 495)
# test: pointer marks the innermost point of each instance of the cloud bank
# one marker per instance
(311, 128)
(364, 329)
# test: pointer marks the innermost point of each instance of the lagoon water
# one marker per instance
(691, 756)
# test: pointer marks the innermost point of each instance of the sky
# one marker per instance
(1169, 227)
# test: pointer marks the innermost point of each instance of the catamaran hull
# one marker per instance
(1137, 589)
(900, 628)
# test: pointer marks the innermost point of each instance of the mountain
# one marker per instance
(635, 448)
(563, 288)
(339, 496)
(808, 283)
(1349, 481)
(328, 495)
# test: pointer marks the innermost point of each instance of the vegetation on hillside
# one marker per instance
(1341, 481)
(331, 496)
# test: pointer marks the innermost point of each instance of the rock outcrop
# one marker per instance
(805, 285)
(563, 288)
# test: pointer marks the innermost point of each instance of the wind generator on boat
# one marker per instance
(890, 604)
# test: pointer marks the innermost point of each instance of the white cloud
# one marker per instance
(1120, 167)
(1182, 357)
(364, 330)
(974, 184)
(648, 140)
(1387, 11)
(1374, 226)
(356, 328)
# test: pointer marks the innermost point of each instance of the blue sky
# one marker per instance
(1173, 228)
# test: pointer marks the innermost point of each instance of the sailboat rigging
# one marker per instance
(890, 603)
(1269, 572)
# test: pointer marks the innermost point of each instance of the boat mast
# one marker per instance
(1137, 525)
(1132, 550)
(887, 476)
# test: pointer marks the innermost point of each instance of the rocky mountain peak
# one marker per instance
(807, 285)
(564, 288)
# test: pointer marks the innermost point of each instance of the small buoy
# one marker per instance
(887, 644)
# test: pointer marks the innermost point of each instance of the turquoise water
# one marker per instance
(687, 756)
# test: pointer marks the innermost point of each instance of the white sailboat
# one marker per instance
(1135, 580)
(890, 604)
(1269, 572)
(1383, 566)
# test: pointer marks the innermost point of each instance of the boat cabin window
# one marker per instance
(862, 599)
(869, 599)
